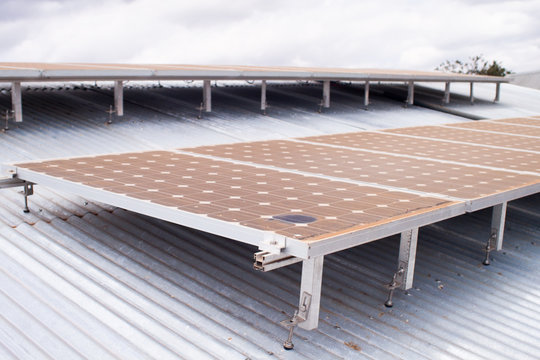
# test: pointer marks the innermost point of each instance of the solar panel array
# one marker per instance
(316, 188)
(79, 71)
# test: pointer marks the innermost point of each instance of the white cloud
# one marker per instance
(393, 34)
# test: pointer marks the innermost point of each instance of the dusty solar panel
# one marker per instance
(471, 137)
(465, 182)
(434, 149)
(253, 197)
(520, 121)
(499, 128)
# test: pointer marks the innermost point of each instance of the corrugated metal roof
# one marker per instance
(84, 280)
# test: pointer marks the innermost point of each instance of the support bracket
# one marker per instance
(12, 182)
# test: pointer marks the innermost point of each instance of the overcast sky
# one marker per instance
(401, 34)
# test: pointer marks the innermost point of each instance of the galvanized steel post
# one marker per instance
(366, 94)
(446, 98)
(471, 95)
(263, 95)
(312, 272)
(407, 256)
(497, 92)
(410, 93)
(207, 96)
(326, 93)
(497, 224)
(16, 101)
(119, 97)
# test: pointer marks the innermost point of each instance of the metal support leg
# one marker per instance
(410, 93)
(28, 190)
(326, 94)
(407, 256)
(307, 315)
(471, 95)
(496, 235)
(207, 96)
(366, 95)
(403, 278)
(16, 101)
(312, 271)
(263, 97)
(497, 92)
(446, 98)
(119, 97)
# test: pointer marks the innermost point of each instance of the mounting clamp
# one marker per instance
(273, 243)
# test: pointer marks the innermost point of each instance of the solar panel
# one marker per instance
(503, 159)
(464, 135)
(520, 121)
(253, 197)
(499, 128)
(427, 176)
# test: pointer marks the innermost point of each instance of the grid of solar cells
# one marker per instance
(499, 128)
(238, 193)
(433, 149)
(406, 173)
(520, 121)
(470, 137)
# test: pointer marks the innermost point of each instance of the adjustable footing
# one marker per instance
(111, 111)
(200, 108)
(28, 190)
(9, 115)
(495, 240)
(394, 284)
(489, 248)
(299, 316)
(403, 277)
(321, 105)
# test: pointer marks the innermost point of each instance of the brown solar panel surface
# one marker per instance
(499, 128)
(520, 121)
(238, 193)
(471, 137)
(434, 149)
(420, 175)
